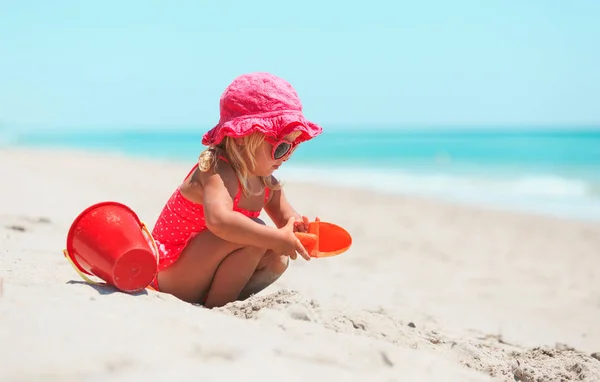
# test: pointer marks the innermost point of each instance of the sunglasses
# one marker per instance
(281, 148)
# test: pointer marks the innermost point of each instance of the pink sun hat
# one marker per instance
(260, 102)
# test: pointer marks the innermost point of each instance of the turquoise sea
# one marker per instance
(550, 171)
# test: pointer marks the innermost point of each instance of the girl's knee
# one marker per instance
(280, 265)
(257, 252)
(275, 264)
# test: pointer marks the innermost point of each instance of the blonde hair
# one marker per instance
(242, 158)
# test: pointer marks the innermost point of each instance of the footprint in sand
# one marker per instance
(15, 227)
(23, 228)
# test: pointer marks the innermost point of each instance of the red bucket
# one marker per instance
(108, 240)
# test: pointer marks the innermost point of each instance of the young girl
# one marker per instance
(213, 248)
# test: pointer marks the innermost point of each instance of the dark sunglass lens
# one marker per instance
(282, 149)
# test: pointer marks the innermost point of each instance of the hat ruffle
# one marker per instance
(276, 124)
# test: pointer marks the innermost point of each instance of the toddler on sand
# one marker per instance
(213, 248)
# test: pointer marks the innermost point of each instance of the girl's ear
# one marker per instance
(239, 142)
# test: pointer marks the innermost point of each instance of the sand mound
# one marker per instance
(543, 364)
(489, 354)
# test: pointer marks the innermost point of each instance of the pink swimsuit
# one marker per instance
(181, 220)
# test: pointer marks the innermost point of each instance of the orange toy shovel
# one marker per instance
(325, 239)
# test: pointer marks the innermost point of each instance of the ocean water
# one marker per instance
(548, 171)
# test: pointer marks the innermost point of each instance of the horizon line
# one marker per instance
(333, 126)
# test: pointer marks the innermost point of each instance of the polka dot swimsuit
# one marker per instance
(181, 220)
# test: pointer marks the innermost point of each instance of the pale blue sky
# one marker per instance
(123, 63)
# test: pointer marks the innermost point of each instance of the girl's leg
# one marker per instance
(197, 277)
(232, 275)
(269, 269)
(214, 272)
(265, 271)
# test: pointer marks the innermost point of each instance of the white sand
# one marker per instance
(492, 295)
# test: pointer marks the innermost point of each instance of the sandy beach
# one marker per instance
(430, 291)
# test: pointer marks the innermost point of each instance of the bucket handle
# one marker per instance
(88, 280)
(81, 274)
(154, 246)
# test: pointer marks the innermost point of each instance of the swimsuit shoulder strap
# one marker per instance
(191, 171)
(196, 166)
(237, 197)
(239, 192)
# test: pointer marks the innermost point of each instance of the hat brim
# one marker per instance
(277, 125)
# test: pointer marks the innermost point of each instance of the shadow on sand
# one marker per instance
(105, 289)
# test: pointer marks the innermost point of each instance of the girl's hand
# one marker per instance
(301, 225)
(288, 244)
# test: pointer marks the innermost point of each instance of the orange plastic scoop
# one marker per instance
(325, 239)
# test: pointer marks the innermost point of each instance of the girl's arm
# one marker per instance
(224, 222)
(280, 210)
(229, 225)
